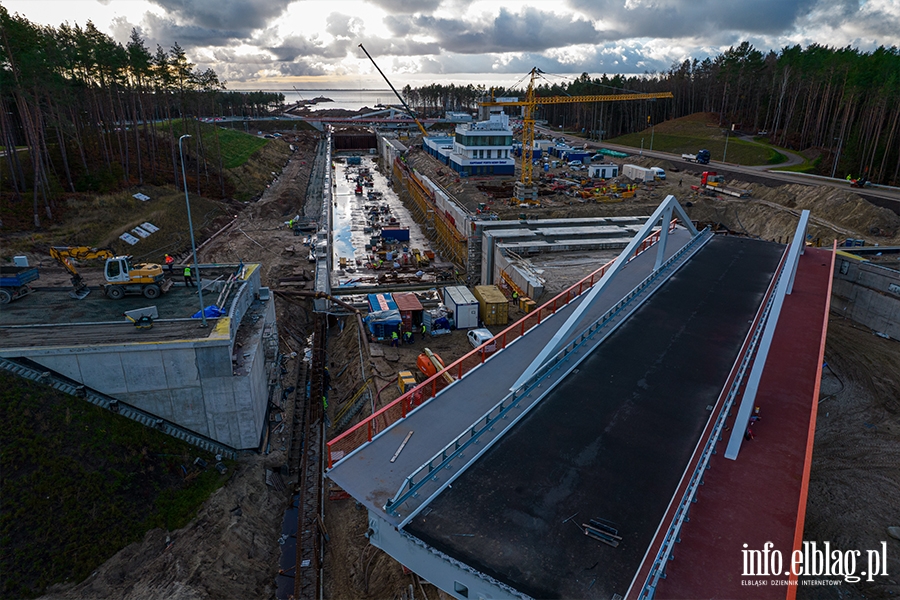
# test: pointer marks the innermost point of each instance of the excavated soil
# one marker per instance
(855, 477)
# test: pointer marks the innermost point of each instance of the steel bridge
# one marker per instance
(596, 454)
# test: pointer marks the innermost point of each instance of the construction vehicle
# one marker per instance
(529, 106)
(430, 364)
(122, 276)
(14, 282)
(716, 183)
(701, 157)
(399, 97)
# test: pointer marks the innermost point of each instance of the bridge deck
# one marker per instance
(610, 442)
(370, 477)
(762, 495)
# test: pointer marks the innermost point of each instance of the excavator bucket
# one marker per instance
(80, 290)
(81, 294)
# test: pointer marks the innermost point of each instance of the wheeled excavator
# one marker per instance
(122, 276)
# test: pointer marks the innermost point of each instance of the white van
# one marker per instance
(658, 173)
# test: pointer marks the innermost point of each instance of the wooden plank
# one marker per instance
(397, 453)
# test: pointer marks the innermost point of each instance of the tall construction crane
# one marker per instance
(530, 104)
(400, 98)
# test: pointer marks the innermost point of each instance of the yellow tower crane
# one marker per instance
(530, 104)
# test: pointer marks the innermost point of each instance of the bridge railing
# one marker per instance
(364, 431)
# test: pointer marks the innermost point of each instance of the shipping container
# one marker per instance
(410, 310)
(395, 234)
(464, 306)
(492, 305)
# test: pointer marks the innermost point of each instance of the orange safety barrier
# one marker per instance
(368, 428)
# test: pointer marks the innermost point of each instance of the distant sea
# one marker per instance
(343, 99)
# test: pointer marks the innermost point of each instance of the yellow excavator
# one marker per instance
(122, 276)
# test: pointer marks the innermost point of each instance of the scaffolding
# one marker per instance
(447, 240)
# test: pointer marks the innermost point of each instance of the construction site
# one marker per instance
(442, 381)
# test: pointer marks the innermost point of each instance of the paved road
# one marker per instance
(887, 197)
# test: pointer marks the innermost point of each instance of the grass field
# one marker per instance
(689, 134)
(236, 146)
(80, 483)
(807, 166)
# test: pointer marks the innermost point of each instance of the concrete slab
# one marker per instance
(157, 403)
(190, 409)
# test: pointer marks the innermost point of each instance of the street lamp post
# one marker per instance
(191, 228)
(725, 153)
(837, 157)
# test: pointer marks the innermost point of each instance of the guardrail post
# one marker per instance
(369, 429)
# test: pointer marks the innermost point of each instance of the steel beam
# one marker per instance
(668, 206)
(742, 420)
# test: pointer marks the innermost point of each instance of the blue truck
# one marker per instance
(14, 282)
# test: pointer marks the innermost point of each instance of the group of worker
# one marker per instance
(186, 273)
(407, 336)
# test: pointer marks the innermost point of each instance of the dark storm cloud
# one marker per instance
(295, 46)
(530, 30)
(669, 19)
(165, 32)
(300, 68)
(226, 15)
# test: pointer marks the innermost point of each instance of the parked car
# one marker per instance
(479, 336)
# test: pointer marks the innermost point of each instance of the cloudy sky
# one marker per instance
(313, 43)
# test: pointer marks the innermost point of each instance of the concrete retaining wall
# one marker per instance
(868, 294)
(192, 383)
